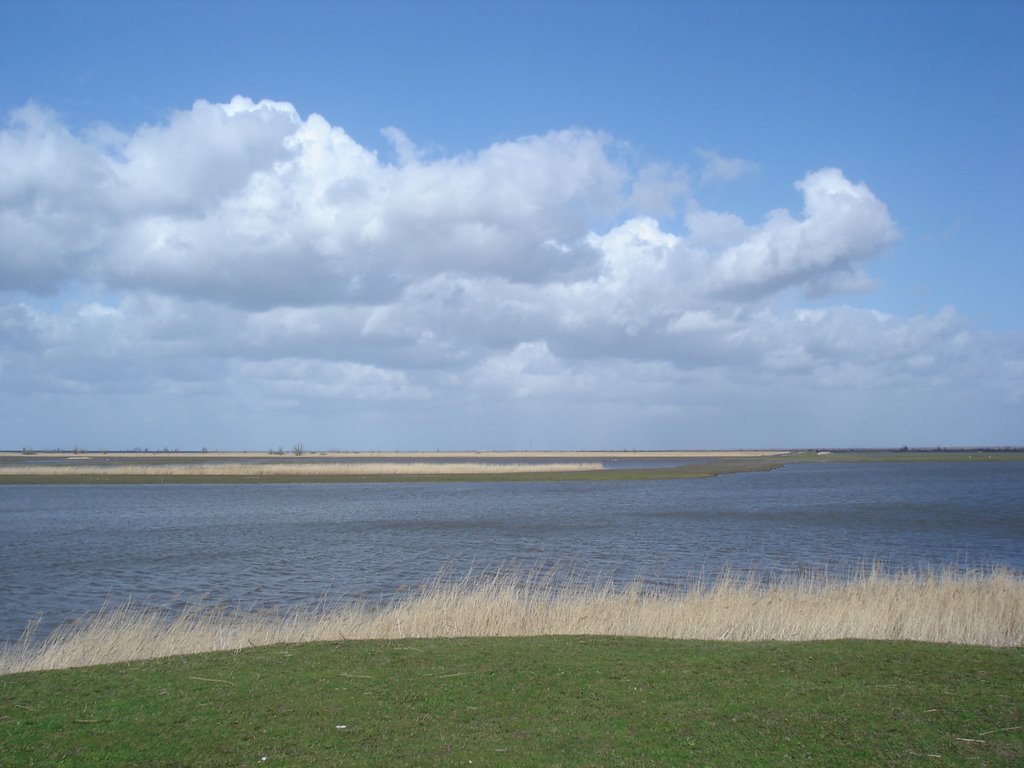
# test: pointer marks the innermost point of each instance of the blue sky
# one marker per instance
(498, 225)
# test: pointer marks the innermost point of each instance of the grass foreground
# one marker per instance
(551, 701)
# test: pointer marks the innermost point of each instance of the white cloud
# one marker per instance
(300, 379)
(405, 150)
(261, 260)
(656, 188)
(528, 370)
(843, 225)
(201, 156)
(719, 168)
(52, 210)
(250, 204)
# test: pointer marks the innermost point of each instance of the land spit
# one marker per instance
(284, 468)
(404, 455)
(984, 607)
(219, 468)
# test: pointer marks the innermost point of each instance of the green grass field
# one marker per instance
(551, 701)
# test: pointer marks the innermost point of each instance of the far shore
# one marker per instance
(125, 467)
(213, 471)
(285, 455)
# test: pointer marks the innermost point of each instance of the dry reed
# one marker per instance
(972, 608)
(313, 469)
(428, 455)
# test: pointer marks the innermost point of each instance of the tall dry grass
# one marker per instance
(975, 608)
(429, 455)
(312, 469)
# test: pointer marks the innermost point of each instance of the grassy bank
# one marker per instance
(906, 456)
(976, 608)
(551, 701)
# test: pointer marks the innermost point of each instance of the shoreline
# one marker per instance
(571, 455)
(976, 607)
(328, 473)
(455, 466)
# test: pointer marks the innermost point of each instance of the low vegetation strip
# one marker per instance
(340, 472)
(971, 608)
(843, 456)
(298, 453)
(253, 469)
(172, 467)
(550, 701)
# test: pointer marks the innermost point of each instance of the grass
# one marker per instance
(976, 608)
(906, 456)
(521, 671)
(544, 701)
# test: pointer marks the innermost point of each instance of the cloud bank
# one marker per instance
(243, 270)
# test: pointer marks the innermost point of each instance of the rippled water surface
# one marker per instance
(65, 550)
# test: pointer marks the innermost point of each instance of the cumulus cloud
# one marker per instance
(248, 203)
(843, 226)
(244, 251)
(719, 168)
(52, 209)
(300, 379)
(656, 189)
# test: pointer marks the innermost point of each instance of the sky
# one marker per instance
(494, 225)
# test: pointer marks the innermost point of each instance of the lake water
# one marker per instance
(66, 550)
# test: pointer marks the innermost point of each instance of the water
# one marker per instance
(66, 550)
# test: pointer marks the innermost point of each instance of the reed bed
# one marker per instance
(430, 455)
(972, 608)
(292, 469)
